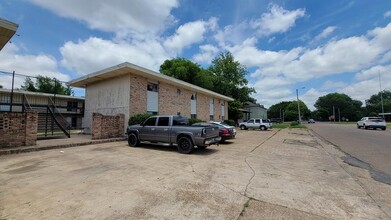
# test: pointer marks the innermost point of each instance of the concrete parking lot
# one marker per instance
(279, 174)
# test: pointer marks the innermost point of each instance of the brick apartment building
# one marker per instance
(129, 89)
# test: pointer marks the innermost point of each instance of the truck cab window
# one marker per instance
(150, 122)
(163, 121)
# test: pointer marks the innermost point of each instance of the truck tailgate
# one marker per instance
(211, 132)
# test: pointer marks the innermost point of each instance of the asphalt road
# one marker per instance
(370, 146)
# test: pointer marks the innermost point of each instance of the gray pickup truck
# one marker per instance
(173, 129)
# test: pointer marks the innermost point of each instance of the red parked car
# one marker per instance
(225, 131)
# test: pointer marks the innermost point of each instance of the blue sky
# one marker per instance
(324, 46)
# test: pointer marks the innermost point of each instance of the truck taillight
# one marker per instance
(225, 131)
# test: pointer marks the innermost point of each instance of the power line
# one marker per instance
(35, 77)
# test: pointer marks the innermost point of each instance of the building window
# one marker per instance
(71, 106)
(193, 96)
(152, 113)
(153, 87)
(211, 117)
(211, 107)
(193, 104)
(152, 97)
(194, 116)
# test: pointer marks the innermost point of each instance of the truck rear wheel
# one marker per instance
(185, 145)
(133, 140)
(263, 128)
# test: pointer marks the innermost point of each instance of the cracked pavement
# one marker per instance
(277, 174)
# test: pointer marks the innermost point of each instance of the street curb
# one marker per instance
(4, 152)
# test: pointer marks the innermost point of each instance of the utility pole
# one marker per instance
(298, 104)
(381, 97)
(339, 115)
(334, 113)
(12, 90)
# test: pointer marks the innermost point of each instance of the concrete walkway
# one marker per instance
(74, 141)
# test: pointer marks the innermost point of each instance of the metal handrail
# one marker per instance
(25, 100)
(55, 110)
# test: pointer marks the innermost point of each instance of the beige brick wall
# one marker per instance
(203, 107)
(173, 100)
(18, 129)
(107, 126)
(217, 109)
(138, 95)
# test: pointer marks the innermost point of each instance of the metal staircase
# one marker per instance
(51, 123)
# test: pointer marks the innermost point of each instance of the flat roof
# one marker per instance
(18, 91)
(7, 30)
(126, 68)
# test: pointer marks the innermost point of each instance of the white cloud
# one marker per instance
(373, 72)
(207, 54)
(310, 97)
(277, 20)
(117, 16)
(12, 59)
(336, 57)
(387, 14)
(350, 54)
(363, 90)
(95, 54)
(333, 85)
(188, 34)
(233, 34)
(325, 33)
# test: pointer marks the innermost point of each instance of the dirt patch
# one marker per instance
(309, 143)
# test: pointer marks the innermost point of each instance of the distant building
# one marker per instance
(387, 116)
(7, 30)
(254, 111)
(70, 107)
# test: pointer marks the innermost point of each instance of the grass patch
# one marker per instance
(288, 125)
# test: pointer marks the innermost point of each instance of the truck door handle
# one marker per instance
(166, 129)
(152, 129)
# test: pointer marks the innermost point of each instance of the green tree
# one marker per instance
(230, 80)
(291, 111)
(28, 85)
(47, 85)
(225, 76)
(348, 107)
(187, 71)
(373, 104)
(275, 110)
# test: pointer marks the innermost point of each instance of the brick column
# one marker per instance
(121, 121)
(31, 126)
(96, 125)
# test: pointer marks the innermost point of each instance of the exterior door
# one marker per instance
(147, 132)
(162, 131)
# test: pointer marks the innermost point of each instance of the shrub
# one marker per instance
(230, 122)
(294, 123)
(139, 118)
(194, 120)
